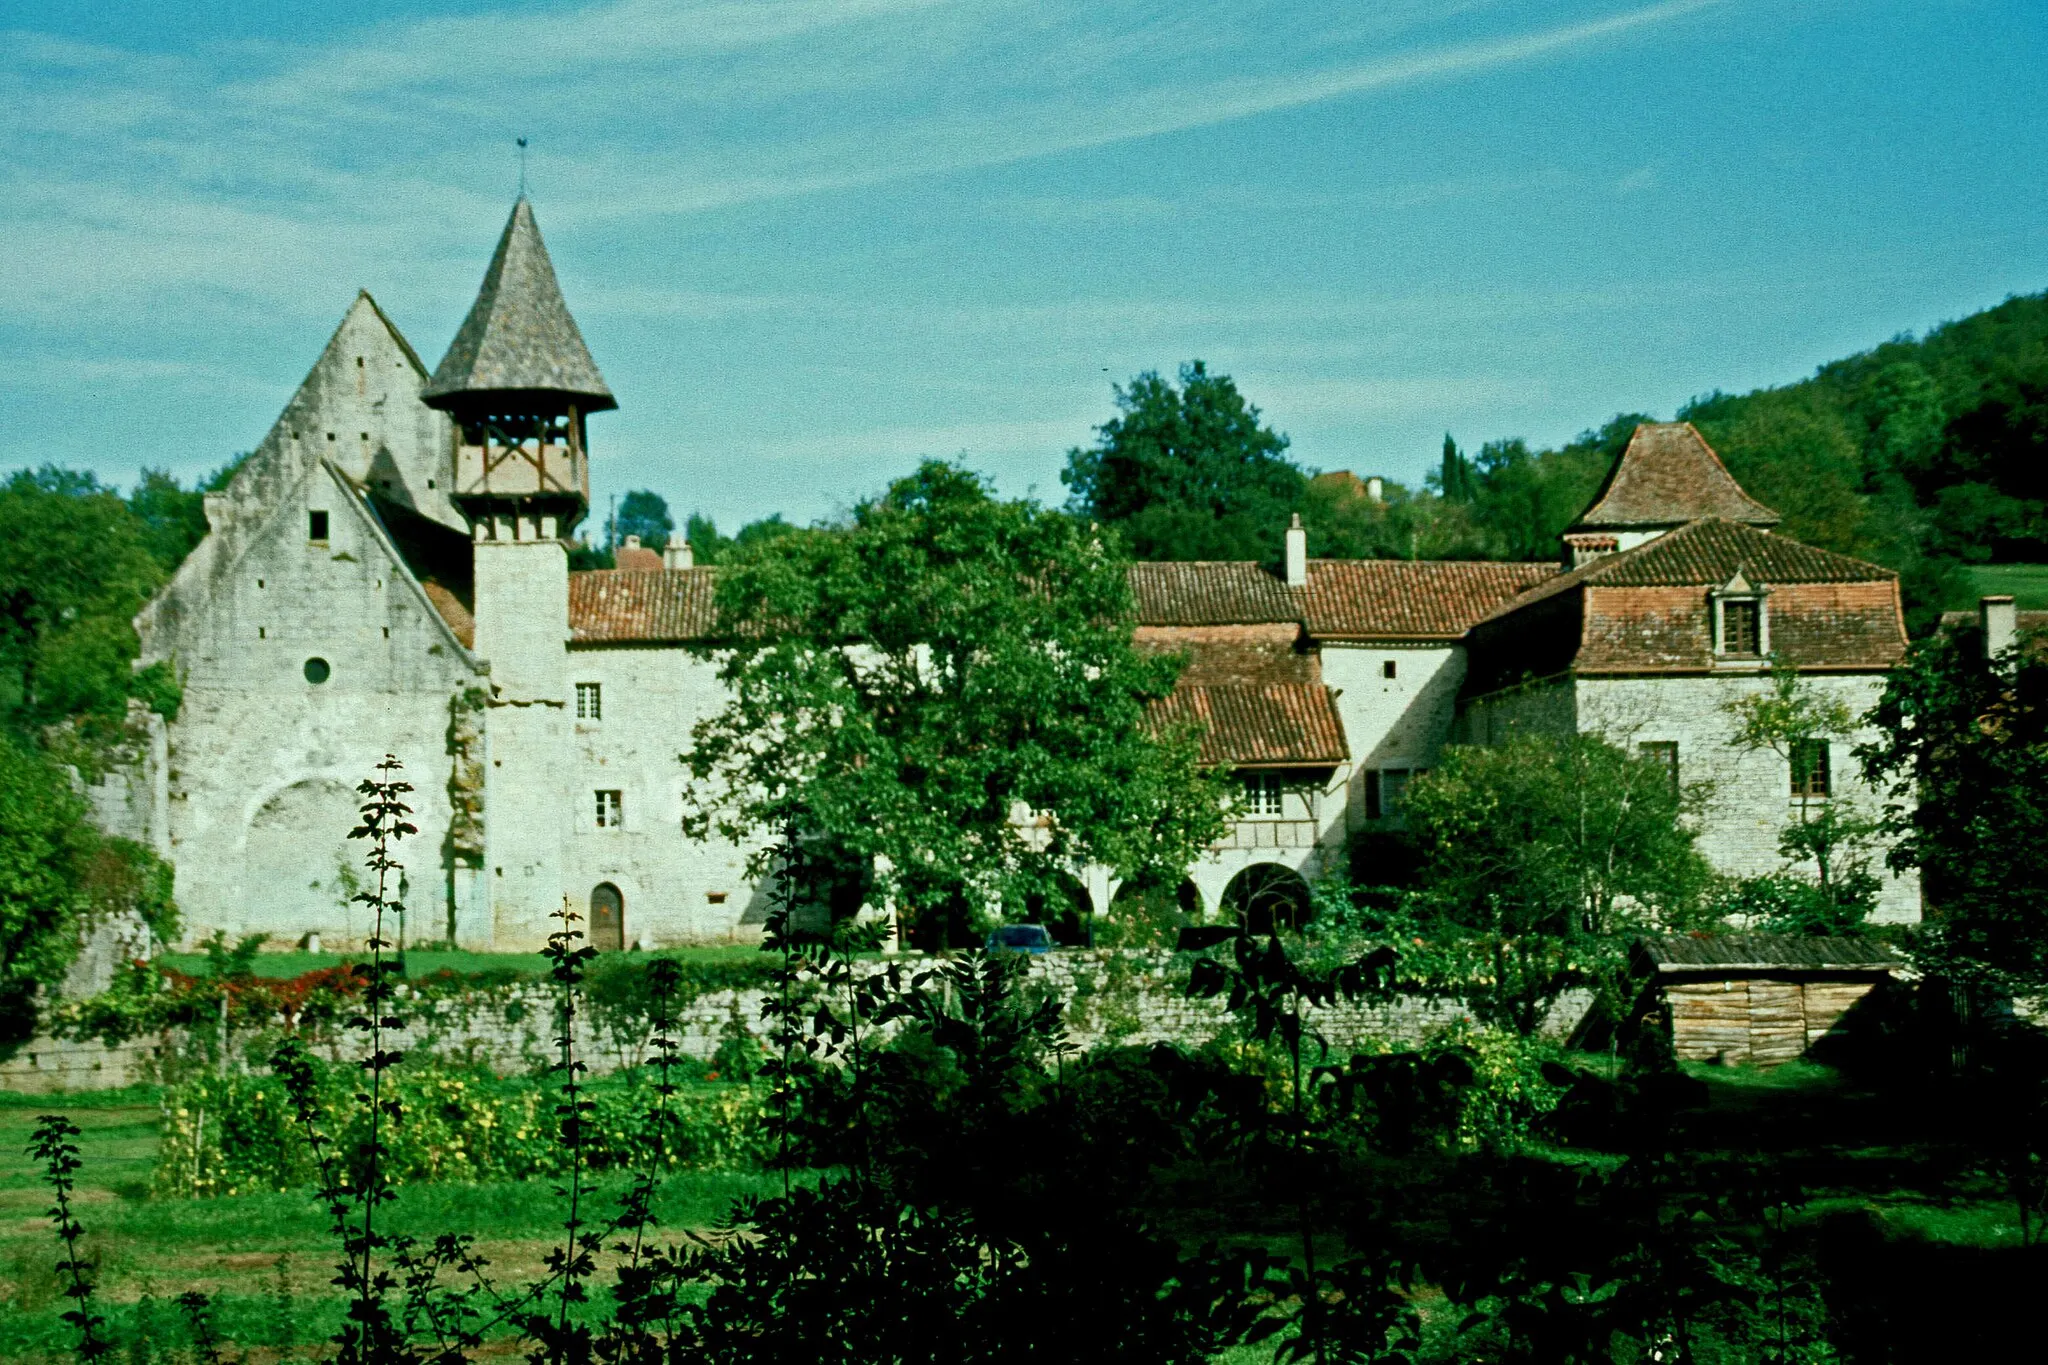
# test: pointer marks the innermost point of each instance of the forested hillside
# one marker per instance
(1924, 455)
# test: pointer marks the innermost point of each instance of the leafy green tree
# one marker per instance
(1963, 742)
(945, 684)
(709, 546)
(1796, 721)
(75, 566)
(1542, 852)
(46, 849)
(644, 514)
(1187, 472)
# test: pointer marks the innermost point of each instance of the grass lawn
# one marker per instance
(2028, 584)
(266, 1258)
(426, 962)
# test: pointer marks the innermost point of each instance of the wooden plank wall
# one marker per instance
(1755, 1019)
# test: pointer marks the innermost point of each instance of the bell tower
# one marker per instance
(519, 384)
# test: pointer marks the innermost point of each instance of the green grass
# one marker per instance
(236, 1249)
(426, 962)
(2028, 584)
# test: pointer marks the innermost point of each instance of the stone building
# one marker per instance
(388, 573)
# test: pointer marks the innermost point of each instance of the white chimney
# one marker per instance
(632, 543)
(678, 555)
(2000, 619)
(1375, 489)
(1297, 554)
(216, 506)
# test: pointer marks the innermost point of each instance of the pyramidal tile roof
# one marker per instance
(1706, 553)
(519, 336)
(1668, 476)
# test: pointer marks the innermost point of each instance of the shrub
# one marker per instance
(225, 1134)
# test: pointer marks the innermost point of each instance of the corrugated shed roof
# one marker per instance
(1753, 952)
(1669, 475)
(1396, 598)
(625, 606)
(519, 335)
(1210, 593)
(1261, 725)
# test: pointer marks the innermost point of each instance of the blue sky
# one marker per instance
(810, 241)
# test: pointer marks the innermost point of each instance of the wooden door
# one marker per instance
(607, 919)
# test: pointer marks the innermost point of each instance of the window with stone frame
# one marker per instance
(611, 808)
(1742, 622)
(1809, 767)
(1664, 753)
(589, 701)
(1384, 788)
(1265, 794)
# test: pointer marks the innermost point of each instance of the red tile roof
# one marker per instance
(1211, 593)
(1274, 725)
(627, 606)
(1668, 476)
(1409, 599)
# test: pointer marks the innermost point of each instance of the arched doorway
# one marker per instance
(1065, 910)
(299, 868)
(607, 918)
(1152, 913)
(1268, 898)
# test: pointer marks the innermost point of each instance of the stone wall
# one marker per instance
(1121, 997)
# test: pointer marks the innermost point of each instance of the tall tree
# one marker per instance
(1963, 742)
(644, 514)
(1187, 471)
(945, 684)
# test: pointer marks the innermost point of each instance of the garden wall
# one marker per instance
(1129, 997)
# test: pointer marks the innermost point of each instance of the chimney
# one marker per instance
(1374, 488)
(216, 505)
(678, 555)
(1297, 554)
(2001, 622)
(632, 542)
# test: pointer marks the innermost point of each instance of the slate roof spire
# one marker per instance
(1667, 477)
(519, 338)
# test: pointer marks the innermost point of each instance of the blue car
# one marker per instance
(1020, 938)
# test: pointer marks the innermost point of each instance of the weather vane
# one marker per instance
(522, 168)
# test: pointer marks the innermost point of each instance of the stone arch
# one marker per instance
(607, 918)
(1267, 898)
(1065, 911)
(1155, 911)
(299, 867)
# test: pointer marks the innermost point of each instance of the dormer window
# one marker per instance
(1742, 627)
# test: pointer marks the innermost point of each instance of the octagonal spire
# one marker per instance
(519, 347)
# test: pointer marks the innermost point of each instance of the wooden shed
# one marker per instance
(1758, 998)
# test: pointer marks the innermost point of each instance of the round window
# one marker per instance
(317, 670)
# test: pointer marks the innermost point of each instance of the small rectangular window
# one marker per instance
(1810, 767)
(1263, 793)
(1663, 752)
(316, 526)
(1742, 627)
(611, 809)
(1383, 790)
(589, 701)
(1387, 669)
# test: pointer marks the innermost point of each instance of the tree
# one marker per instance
(75, 566)
(1187, 473)
(644, 514)
(46, 850)
(1543, 851)
(1963, 745)
(1799, 724)
(709, 546)
(945, 684)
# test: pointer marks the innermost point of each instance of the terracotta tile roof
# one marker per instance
(1668, 476)
(1210, 593)
(459, 618)
(1707, 554)
(1254, 725)
(2024, 620)
(636, 559)
(519, 336)
(1215, 656)
(1409, 599)
(626, 606)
